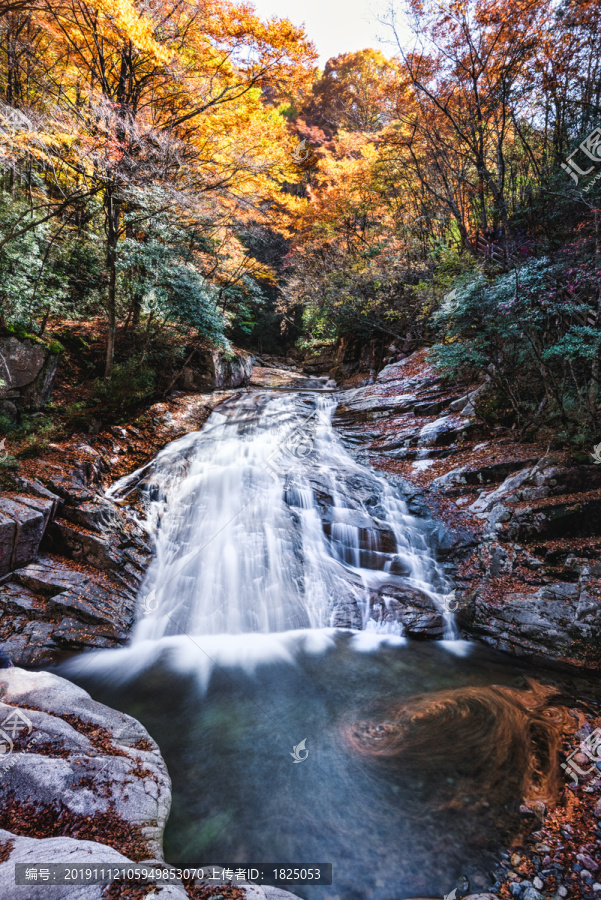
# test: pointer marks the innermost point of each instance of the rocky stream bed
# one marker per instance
(517, 530)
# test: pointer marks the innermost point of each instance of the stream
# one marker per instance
(267, 622)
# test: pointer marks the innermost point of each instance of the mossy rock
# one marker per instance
(52, 346)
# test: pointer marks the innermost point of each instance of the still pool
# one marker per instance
(419, 753)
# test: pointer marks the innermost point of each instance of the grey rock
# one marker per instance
(27, 369)
(490, 499)
(574, 518)
(49, 607)
(97, 515)
(8, 530)
(544, 624)
(466, 405)
(53, 758)
(64, 850)
(532, 894)
(214, 369)
(452, 478)
(482, 475)
(38, 490)
(41, 504)
(50, 577)
(391, 371)
(99, 552)
(71, 489)
(413, 609)
(20, 362)
(498, 514)
(22, 538)
(14, 597)
(444, 430)
(559, 591)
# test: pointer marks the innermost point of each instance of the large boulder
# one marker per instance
(417, 614)
(70, 582)
(217, 370)
(559, 622)
(79, 854)
(27, 370)
(23, 522)
(77, 768)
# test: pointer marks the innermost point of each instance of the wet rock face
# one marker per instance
(72, 563)
(27, 369)
(214, 369)
(405, 416)
(23, 522)
(556, 611)
(559, 622)
(524, 536)
(420, 618)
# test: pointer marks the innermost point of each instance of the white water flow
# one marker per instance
(264, 523)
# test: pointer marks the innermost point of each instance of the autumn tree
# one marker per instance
(356, 92)
(168, 100)
(471, 74)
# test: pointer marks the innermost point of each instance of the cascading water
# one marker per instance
(270, 616)
(264, 523)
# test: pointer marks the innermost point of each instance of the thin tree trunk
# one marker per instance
(113, 208)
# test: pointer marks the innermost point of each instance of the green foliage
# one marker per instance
(29, 283)
(527, 331)
(132, 382)
(18, 331)
(158, 273)
(6, 425)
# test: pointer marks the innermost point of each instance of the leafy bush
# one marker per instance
(158, 275)
(132, 382)
(528, 331)
(29, 283)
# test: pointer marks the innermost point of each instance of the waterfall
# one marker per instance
(271, 616)
(263, 522)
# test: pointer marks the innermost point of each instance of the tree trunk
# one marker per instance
(593, 391)
(112, 212)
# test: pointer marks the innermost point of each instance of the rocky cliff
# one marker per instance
(522, 524)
